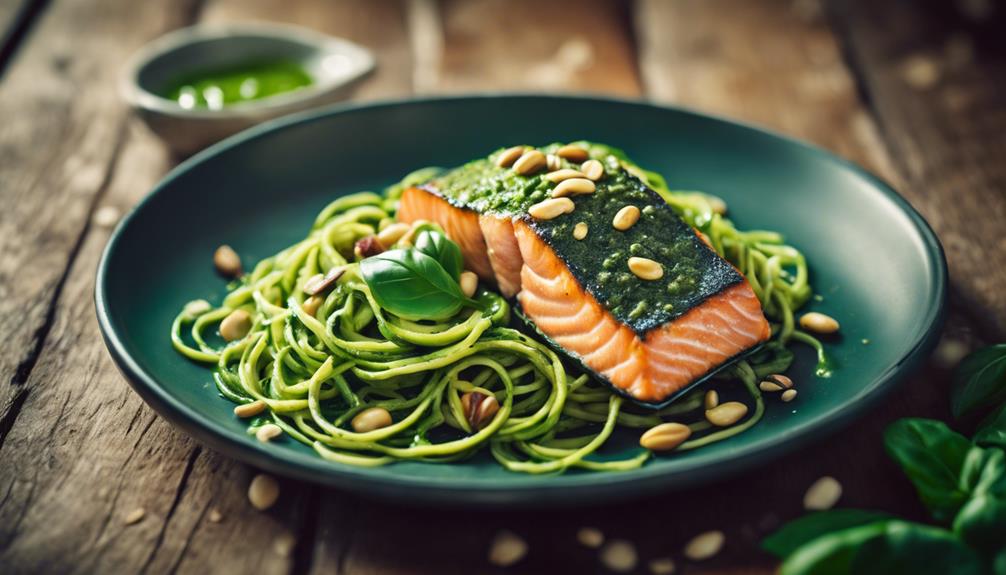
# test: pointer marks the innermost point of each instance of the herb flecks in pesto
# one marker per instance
(215, 89)
(692, 271)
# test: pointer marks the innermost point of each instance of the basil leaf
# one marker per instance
(984, 472)
(412, 285)
(831, 554)
(992, 430)
(979, 380)
(982, 522)
(438, 246)
(999, 563)
(931, 455)
(800, 531)
(915, 549)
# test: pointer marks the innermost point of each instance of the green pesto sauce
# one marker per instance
(692, 271)
(214, 89)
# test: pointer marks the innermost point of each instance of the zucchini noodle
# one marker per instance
(317, 369)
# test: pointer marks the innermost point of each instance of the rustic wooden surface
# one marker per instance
(914, 91)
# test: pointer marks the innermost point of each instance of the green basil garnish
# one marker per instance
(980, 380)
(413, 285)
(435, 244)
(932, 456)
(992, 430)
(796, 533)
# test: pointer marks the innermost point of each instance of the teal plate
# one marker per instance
(878, 265)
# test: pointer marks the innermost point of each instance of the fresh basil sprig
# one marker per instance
(962, 482)
(436, 245)
(413, 285)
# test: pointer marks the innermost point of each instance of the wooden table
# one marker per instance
(915, 91)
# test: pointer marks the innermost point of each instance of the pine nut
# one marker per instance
(507, 549)
(530, 162)
(775, 382)
(319, 283)
(726, 414)
(712, 399)
(509, 156)
(215, 516)
(284, 544)
(479, 408)
(620, 556)
(371, 419)
(196, 308)
(705, 545)
(311, 305)
(590, 537)
(645, 268)
(788, 395)
(580, 230)
(563, 174)
(822, 494)
(227, 261)
(662, 566)
(551, 208)
(625, 218)
(135, 516)
(106, 216)
(573, 186)
(236, 325)
(665, 437)
(552, 162)
(717, 205)
(246, 410)
(818, 323)
(367, 247)
(469, 282)
(390, 235)
(263, 491)
(572, 153)
(592, 169)
(268, 432)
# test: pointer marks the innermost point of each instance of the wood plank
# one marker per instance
(935, 74)
(16, 17)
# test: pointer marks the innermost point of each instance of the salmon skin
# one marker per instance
(649, 336)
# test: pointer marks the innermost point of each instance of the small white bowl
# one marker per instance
(332, 63)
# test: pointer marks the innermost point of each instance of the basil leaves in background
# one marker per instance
(416, 283)
(961, 482)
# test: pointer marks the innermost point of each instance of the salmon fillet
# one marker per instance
(651, 368)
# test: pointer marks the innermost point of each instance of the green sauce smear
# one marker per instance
(215, 89)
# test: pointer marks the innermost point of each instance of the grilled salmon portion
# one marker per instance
(650, 367)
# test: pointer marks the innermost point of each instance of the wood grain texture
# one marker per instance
(935, 74)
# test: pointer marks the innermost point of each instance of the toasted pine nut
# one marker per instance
(712, 399)
(135, 516)
(507, 548)
(530, 162)
(590, 537)
(551, 208)
(592, 169)
(552, 162)
(822, 494)
(236, 325)
(197, 307)
(509, 156)
(619, 556)
(775, 382)
(391, 234)
(625, 218)
(726, 414)
(215, 516)
(645, 268)
(563, 174)
(818, 322)
(572, 153)
(371, 419)
(662, 566)
(252, 409)
(284, 544)
(263, 491)
(704, 545)
(580, 230)
(788, 395)
(573, 186)
(469, 281)
(665, 437)
(227, 261)
(268, 432)
(312, 304)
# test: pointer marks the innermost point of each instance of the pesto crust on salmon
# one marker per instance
(639, 299)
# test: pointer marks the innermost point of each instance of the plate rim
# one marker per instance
(568, 489)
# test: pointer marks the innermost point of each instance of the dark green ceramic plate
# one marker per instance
(873, 258)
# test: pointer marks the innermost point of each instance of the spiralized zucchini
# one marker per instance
(317, 371)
